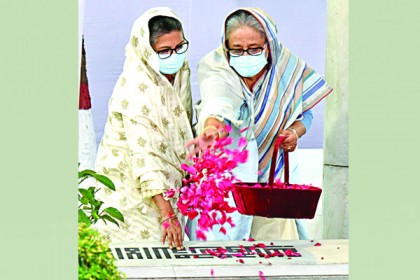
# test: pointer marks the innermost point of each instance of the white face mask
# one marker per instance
(172, 64)
(248, 66)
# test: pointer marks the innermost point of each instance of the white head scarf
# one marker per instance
(141, 67)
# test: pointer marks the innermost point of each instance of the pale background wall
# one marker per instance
(336, 158)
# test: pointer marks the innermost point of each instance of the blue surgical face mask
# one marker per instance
(172, 64)
(249, 65)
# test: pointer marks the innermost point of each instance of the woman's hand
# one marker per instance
(202, 142)
(289, 144)
(292, 133)
(171, 227)
(172, 231)
(213, 127)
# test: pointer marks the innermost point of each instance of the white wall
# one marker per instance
(301, 25)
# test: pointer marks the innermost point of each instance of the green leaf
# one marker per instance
(83, 218)
(115, 213)
(89, 195)
(109, 218)
(86, 173)
(97, 205)
(84, 200)
(106, 181)
(95, 216)
(101, 178)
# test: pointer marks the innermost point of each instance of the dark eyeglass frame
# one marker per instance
(247, 51)
(177, 49)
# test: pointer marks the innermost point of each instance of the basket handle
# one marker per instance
(279, 140)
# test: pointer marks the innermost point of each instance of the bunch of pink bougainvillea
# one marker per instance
(205, 192)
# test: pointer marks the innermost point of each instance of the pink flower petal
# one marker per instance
(242, 142)
(170, 193)
(291, 253)
(243, 129)
(261, 274)
(238, 255)
(192, 214)
(165, 224)
(200, 235)
(317, 244)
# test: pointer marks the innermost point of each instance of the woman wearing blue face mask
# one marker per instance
(149, 121)
(251, 81)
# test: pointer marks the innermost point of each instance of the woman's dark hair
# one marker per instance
(160, 25)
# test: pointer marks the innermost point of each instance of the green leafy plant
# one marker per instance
(90, 207)
(95, 258)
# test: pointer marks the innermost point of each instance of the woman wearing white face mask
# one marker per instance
(252, 81)
(149, 121)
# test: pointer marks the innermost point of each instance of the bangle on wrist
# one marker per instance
(167, 219)
(294, 131)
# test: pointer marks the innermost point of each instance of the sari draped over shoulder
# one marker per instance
(142, 149)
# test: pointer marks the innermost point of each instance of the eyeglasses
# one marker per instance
(181, 48)
(250, 51)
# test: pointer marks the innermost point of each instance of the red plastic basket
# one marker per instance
(264, 199)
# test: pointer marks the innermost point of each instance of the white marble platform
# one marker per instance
(153, 261)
